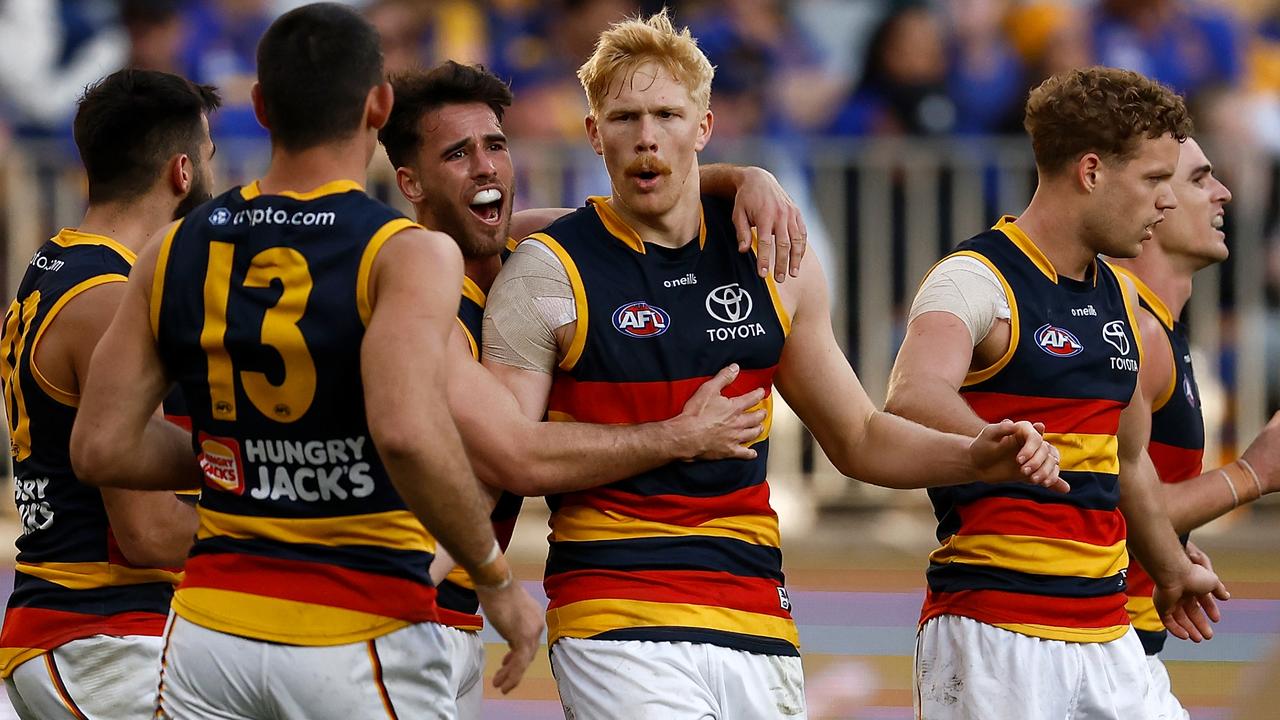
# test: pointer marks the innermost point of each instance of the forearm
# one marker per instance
(560, 457)
(1151, 537)
(1208, 496)
(920, 457)
(437, 484)
(721, 179)
(935, 404)
(153, 529)
(105, 458)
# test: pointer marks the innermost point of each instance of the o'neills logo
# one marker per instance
(221, 463)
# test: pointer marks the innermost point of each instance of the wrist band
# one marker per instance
(493, 554)
(506, 582)
(1235, 497)
(1253, 474)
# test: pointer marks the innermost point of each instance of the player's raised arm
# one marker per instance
(126, 383)
(880, 448)
(404, 373)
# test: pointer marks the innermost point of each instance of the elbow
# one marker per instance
(897, 404)
(93, 458)
(505, 469)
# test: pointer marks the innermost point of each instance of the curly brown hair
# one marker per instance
(1103, 110)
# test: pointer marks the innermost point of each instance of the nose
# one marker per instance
(1222, 193)
(646, 138)
(482, 165)
(1166, 200)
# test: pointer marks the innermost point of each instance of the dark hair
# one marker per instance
(419, 92)
(316, 65)
(1103, 110)
(131, 122)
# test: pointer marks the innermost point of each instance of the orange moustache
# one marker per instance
(650, 164)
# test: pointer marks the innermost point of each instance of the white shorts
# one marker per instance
(209, 675)
(466, 670)
(100, 678)
(674, 681)
(968, 670)
(1162, 702)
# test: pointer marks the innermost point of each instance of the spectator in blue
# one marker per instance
(222, 51)
(1186, 45)
(904, 85)
(985, 77)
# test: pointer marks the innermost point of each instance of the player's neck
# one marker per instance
(309, 169)
(483, 270)
(129, 224)
(1163, 275)
(674, 229)
(1055, 231)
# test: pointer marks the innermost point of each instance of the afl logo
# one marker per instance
(639, 319)
(1057, 342)
(1190, 392)
(221, 216)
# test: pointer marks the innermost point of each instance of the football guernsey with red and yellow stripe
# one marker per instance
(1022, 557)
(1176, 448)
(259, 306)
(457, 596)
(72, 581)
(688, 551)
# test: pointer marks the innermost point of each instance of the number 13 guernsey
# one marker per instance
(259, 306)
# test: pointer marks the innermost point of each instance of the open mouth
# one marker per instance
(1217, 222)
(487, 205)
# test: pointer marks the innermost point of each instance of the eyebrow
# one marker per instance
(455, 147)
(1204, 169)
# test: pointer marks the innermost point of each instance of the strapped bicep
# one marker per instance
(531, 299)
(969, 290)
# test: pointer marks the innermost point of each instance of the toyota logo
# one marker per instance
(729, 303)
(1113, 332)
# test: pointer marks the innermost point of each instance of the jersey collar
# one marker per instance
(67, 237)
(254, 189)
(1009, 227)
(619, 228)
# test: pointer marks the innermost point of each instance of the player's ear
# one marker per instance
(182, 174)
(259, 109)
(593, 134)
(1088, 169)
(410, 185)
(377, 106)
(704, 130)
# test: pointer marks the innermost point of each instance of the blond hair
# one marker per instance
(628, 44)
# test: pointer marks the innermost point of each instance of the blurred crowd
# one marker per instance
(784, 67)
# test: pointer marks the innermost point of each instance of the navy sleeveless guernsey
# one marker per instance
(259, 306)
(1025, 558)
(689, 551)
(72, 580)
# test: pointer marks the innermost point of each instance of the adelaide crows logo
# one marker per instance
(1058, 342)
(639, 319)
